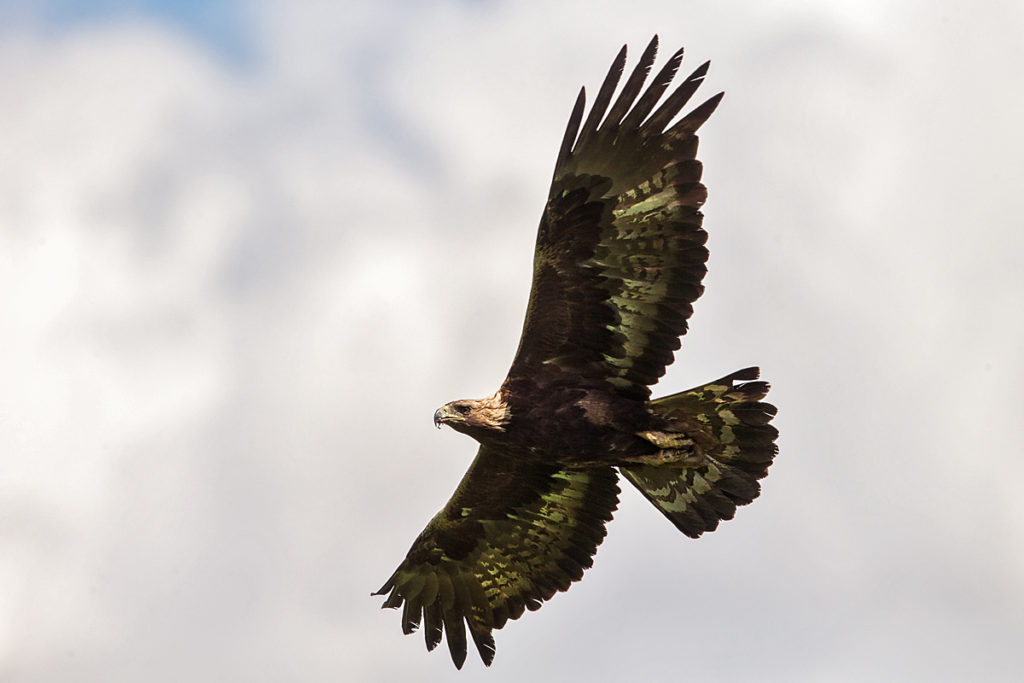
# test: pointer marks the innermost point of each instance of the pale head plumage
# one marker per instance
(467, 415)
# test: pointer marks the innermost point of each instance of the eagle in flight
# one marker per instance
(617, 266)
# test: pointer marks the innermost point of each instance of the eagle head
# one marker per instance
(474, 415)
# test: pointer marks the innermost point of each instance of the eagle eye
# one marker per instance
(461, 408)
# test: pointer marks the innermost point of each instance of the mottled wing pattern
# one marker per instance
(620, 250)
(734, 443)
(511, 536)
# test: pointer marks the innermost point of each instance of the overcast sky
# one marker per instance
(247, 249)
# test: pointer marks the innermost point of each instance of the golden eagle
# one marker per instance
(618, 264)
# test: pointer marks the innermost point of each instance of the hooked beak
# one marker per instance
(445, 414)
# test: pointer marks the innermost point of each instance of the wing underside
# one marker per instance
(510, 538)
(620, 252)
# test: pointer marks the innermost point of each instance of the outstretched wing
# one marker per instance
(511, 536)
(620, 251)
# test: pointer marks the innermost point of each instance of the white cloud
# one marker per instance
(236, 295)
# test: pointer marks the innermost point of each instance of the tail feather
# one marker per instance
(734, 445)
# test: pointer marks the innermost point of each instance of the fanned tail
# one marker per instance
(733, 446)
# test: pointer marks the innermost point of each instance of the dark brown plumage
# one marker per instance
(618, 264)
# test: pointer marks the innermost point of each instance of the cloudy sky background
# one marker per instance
(247, 249)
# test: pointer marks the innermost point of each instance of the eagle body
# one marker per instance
(618, 263)
(572, 426)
